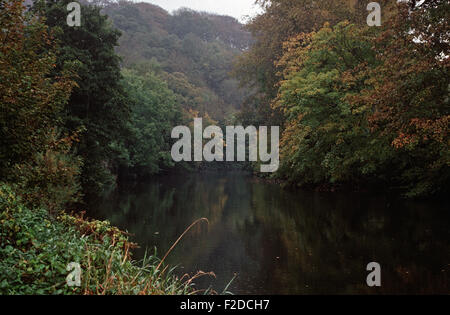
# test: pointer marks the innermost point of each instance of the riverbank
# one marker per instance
(36, 247)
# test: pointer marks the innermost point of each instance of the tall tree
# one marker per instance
(99, 103)
(409, 93)
(33, 154)
(32, 95)
(327, 140)
(154, 114)
(281, 20)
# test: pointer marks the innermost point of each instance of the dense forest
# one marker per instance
(85, 107)
(361, 107)
(193, 52)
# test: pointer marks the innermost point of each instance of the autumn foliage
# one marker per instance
(360, 106)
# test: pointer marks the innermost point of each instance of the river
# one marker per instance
(278, 241)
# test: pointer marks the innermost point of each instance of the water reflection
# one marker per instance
(281, 242)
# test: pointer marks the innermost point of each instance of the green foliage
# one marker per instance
(99, 104)
(194, 52)
(280, 21)
(409, 94)
(358, 105)
(327, 140)
(33, 250)
(43, 166)
(36, 248)
(154, 114)
(51, 180)
(32, 94)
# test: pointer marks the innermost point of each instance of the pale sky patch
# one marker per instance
(239, 9)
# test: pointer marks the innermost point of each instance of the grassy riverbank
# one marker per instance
(36, 247)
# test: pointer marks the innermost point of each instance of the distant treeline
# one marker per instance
(360, 106)
(192, 51)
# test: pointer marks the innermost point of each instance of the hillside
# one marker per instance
(192, 51)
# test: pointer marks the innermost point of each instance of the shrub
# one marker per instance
(35, 249)
(51, 179)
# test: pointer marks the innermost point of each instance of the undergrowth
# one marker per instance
(36, 248)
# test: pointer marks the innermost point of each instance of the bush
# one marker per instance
(51, 179)
(35, 249)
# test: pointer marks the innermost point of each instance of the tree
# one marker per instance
(194, 50)
(154, 114)
(31, 94)
(99, 103)
(280, 21)
(34, 155)
(409, 94)
(327, 140)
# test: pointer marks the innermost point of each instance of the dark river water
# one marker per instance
(281, 242)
